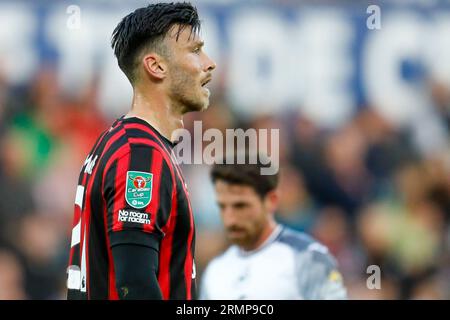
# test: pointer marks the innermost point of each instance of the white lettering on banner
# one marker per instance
(273, 57)
(258, 75)
(18, 54)
(266, 74)
(75, 47)
(438, 50)
(325, 40)
(401, 38)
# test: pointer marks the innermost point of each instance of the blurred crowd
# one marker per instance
(364, 190)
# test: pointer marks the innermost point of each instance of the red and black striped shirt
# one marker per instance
(129, 190)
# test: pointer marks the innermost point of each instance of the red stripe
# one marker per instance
(112, 290)
(85, 219)
(113, 139)
(152, 209)
(166, 249)
(121, 152)
(189, 259)
(83, 182)
(123, 165)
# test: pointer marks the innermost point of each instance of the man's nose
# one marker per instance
(228, 217)
(210, 64)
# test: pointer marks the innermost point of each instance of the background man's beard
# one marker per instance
(247, 239)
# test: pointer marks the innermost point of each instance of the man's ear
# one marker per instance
(155, 66)
(272, 200)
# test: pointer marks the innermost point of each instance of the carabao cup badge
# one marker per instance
(138, 191)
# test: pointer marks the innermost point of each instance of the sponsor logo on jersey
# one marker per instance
(138, 190)
(134, 216)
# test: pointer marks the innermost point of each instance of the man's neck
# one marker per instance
(157, 111)
(264, 237)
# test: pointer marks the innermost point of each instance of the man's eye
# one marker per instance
(240, 205)
(197, 50)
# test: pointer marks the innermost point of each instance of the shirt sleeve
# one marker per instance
(138, 191)
(318, 276)
(142, 283)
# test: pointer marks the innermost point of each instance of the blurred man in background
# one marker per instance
(266, 260)
(133, 232)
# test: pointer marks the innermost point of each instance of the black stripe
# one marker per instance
(193, 281)
(138, 133)
(140, 160)
(165, 201)
(164, 140)
(98, 248)
(109, 191)
(179, 246)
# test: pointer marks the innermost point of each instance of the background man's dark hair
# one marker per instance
(246, 174)
(145, 28)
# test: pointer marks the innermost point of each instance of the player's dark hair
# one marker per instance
(145, 28)
(246, 174)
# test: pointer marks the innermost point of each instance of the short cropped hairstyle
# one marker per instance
(246, 174)
(145, 29)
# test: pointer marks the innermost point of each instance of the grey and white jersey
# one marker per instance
(289, 265)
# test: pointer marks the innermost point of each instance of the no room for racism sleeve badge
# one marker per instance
(138, 191)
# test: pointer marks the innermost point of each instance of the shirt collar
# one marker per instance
(273, 236)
